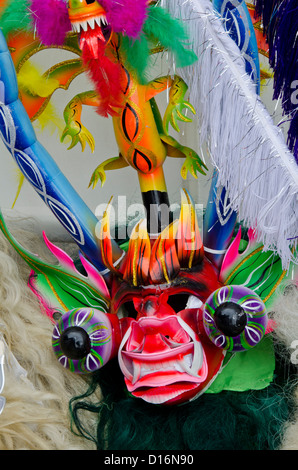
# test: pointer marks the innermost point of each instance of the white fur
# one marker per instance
(285, 314)
(37, 389)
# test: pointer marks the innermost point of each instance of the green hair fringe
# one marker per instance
(251, 420)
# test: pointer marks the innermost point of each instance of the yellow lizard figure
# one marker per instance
(142, 135)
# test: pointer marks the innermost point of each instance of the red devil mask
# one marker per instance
(156, 314)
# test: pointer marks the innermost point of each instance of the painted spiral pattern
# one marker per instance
(242, 302)
(94, 330)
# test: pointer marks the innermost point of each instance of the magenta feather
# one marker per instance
(126, 16)
(50, 18)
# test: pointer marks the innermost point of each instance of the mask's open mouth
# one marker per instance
(162, 359)
(97, 24)
(90, 22)
(94, 35)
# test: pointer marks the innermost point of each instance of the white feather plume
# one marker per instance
(249, 151)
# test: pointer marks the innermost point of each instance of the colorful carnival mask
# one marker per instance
(166, 315)
(172, 313)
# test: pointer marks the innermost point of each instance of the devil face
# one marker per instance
(164, 354)
(170, 321)
(157, 333)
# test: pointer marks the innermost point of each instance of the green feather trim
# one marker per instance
(137, 54)
(170, 33)
(159, 30)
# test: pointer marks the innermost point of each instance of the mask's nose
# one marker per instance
(153, 306)
(162, 333)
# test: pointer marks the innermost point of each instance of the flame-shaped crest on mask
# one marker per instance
(179, 246)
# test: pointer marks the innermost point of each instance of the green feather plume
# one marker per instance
(159, 30)
(170, 33)
(137, 53)
(15, 16)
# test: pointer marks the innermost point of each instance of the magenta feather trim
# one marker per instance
(126, 16)
(50, 18)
